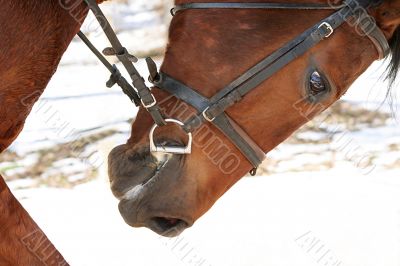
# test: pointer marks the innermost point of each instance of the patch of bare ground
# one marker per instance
(342, 116)
(44, 172)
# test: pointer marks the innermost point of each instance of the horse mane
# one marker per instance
(394, 64)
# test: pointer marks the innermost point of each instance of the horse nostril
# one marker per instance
(140, 156)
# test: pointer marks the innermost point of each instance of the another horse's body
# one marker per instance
(34, 35)
(207, 50)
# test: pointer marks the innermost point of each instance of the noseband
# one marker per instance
(213, 109)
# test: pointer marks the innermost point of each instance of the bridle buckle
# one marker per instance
(170, 149)
(153, 103)
(328, 28)
(206, 117)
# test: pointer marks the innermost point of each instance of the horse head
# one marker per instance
(208, 49)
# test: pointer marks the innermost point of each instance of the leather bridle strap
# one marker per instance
(374, 33)
(306, 6)
(116, 77)
(234, 92)
(143, 92)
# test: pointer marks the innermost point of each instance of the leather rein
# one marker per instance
(213, 109)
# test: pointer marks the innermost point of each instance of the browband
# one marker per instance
(306, 6)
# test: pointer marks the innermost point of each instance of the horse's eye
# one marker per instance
(317, 86)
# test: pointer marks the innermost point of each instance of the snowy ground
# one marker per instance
(321, 200)
(322, 218)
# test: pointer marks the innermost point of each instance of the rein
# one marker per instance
(213, 110)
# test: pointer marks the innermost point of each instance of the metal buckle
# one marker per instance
(170, 149)
(206, 117)
(151, 104)
(327, 27)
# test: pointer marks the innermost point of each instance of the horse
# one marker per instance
(211, 44)
(169, 192)
(34, 36)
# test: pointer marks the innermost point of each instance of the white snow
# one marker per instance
(260, 221)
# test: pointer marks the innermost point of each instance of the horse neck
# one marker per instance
(35, 34)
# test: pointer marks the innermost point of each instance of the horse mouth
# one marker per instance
(167, 227)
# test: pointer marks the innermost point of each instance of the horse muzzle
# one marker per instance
(148, 188)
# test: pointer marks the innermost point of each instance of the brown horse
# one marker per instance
(207, 50)
(34, 35)
(223, 44)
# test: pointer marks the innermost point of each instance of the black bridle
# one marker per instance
(213, 110)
